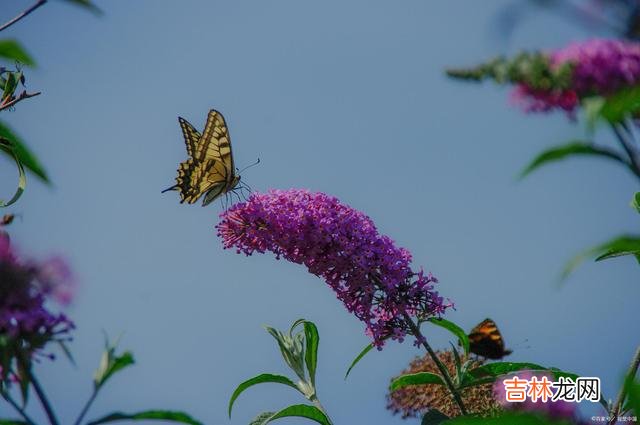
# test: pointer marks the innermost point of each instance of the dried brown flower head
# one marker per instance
(416, 400)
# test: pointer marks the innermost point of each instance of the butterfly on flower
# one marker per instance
(209, 170)
(486, 340)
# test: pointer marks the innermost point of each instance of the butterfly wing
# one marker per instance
(218, 144)
(191, 136)
(486, 340)
(210, 167)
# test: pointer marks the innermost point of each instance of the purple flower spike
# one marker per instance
(369, 274)
(600, 67)
(26, 323)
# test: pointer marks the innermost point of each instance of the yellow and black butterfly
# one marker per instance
(485, 340)
(209, 171)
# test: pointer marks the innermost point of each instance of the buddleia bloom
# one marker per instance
(416, 400)
(27, 322)
(560, 79)
(369, 274)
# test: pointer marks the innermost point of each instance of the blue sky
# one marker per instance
(345, 97)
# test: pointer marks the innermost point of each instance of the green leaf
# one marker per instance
(616, 247)
(291, 347)
(454, 329)
(160, 415)
(10, 86)
(502, 368)
(433, 417)
(260, 379)
(633, 396)
(571, 149)
(24, 154)
(12, 422)
(458, 363)
(357, 359)
(13, 51)
(110, 363)
(312, 338)
(87, 5)
(297, 410)
(420, 378)
(622, 104)
(635, 203)
(8, 147)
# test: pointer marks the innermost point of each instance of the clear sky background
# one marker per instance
(345, 97)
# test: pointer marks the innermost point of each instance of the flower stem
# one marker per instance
(316, 402)
(631, 150)
(39, 390)
(633, 369)
(17, 407)
(23, 14)
(443, 370)
(86, 407)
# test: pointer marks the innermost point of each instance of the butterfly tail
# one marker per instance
(174, 187)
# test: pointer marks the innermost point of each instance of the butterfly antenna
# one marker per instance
(170, 188)
(250, 165)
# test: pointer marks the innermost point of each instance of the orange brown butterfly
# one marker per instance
(486, 340)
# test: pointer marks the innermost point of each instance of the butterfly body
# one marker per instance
(209, 170)
(486, 340)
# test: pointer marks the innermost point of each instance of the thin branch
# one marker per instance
(15, 405)
(443, 370)
(633, 369)
(24, 95)
(86, 407)
(23, 14)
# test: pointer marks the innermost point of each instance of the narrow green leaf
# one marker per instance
(633, 397)
(569, 150)
(10, 86)
(13, 51)
(503, 368)
(24, 154)
(160, 415)
(8, 147)
(357, 359)
(312, 338)
(420, 378)
(260, 379)
(458, 363)
(433, 417)
(635, 203)
(454, 329)
(616, 247)
(12, 422)
(67, 352)
(296, 410)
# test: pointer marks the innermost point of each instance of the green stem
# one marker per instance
(443, 370)
(630, 149)
(17, 407)
(316, 402)
(87, 405)
(38, 389)
(633, 369)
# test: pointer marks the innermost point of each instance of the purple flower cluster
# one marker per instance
(369, 274)
(25, 321)
(599, 67)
